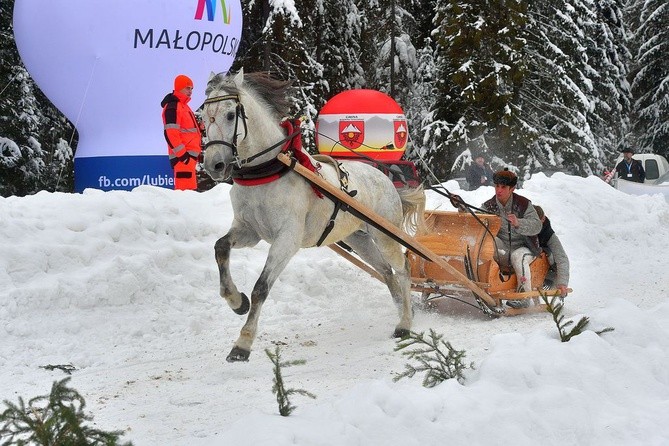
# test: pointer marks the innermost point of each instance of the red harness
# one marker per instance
(274, 169)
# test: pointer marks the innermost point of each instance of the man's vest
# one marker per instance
(518, 207)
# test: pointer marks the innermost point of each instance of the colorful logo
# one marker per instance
(351, 133)
(400, 133)
(211, 10)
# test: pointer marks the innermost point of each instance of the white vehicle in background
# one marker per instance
(657, 177)
(654, 165)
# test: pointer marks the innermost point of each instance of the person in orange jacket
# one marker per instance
(182, 133)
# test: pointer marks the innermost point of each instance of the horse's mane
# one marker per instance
(271, 90)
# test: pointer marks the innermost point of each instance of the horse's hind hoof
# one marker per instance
(244, 307)
(401, 333)
(238, 355)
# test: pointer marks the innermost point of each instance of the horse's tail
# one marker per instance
(413, 208)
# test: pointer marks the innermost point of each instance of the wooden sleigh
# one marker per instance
(456, 256)
(466, 243)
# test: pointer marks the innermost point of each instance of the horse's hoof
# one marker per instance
(244, 307)
(238, 355)
(401, 333)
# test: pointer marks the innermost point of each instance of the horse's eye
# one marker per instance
(230, 116)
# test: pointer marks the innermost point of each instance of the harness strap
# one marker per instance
(343, 184)
(260, 174)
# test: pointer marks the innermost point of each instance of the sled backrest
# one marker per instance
(453, 232)
(457, 236)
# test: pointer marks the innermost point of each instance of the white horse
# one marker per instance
(242, 116)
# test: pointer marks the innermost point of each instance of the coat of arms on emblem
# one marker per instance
(401, 133)
(351, 133)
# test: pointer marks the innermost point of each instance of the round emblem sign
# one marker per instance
(366, 122)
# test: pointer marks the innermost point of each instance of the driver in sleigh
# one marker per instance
(517, 241)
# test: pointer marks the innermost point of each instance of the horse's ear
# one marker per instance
(239, 78)
(211, 76)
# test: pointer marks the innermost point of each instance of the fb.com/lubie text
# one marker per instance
(145, 180)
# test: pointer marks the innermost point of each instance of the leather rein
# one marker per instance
(241, 114)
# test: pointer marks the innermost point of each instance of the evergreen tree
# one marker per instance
(393, 55)
(650, 76)
(35, 139)
(280, 39)
(337, 49)
(419, 106)
(609, 59)
(480, 68)
(557, 96)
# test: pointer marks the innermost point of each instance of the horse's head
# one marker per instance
(242, 115)
(226, 123)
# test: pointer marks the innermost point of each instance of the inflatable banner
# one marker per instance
(362, 121)
(107, 65)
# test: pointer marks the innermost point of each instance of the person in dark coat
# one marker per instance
(557, 257)
(479, 174)
(630, 169)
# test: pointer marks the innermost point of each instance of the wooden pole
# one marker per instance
(356, 261)
(382, 224)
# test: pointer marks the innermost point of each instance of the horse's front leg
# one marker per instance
(237, 237)
(280, 254)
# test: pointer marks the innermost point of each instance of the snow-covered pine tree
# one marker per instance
(283, 45)
(555, 95)
(392, 54)
(418, 108)
(650, 75)
(35, 139)
(611, 96)
(336, 46)
(480, 68)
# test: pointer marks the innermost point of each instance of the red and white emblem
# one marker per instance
(401, 133)
(351, 133)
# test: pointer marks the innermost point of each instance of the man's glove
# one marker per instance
(184, 159)
(457, 202)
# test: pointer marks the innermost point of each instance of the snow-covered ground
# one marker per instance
(124, 286)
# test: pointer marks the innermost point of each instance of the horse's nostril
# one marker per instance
(219, 166)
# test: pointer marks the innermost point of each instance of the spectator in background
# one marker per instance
(479, 173)
(558, 275)
(630, 169)
(182, 133)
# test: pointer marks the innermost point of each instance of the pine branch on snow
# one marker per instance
(279, 388)
(555, 307)
(54, 419)
(437, 363)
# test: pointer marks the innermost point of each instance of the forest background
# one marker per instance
(530, 84)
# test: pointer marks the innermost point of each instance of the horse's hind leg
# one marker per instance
(237, 237)
(280, 253)
(386, 257)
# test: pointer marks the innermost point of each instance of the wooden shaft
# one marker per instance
(384, 225)
(356, 261)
